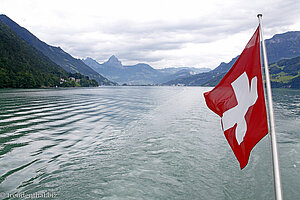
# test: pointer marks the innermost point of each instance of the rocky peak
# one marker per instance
(113, 61)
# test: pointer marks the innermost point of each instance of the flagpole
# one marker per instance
(276, 171)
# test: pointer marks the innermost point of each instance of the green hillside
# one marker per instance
(286, 73)
(22, 66)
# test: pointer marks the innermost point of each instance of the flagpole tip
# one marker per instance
(259, 15)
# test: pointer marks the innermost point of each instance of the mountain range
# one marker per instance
(138, 74)
(113, 69)
(279, 47)
(55, 54)
(47, 64)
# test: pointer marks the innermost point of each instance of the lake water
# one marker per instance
(136, 143)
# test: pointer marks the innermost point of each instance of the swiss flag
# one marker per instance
(239, 100)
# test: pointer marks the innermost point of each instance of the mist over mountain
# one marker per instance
(173, 70)
(204, 78)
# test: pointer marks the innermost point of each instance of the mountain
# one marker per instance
(22, 66)
(280, 46)
(56, 54)
(139, 74)
(204, 78)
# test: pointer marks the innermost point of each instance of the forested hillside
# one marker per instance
(22, 66)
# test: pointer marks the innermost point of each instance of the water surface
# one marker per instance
(136, 143)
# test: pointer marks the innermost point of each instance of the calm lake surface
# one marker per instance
(136, 143)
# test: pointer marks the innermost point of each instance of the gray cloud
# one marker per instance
(204, 36)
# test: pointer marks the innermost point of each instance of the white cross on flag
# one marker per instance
(239, 100)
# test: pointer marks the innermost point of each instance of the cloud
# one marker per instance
(159, 32)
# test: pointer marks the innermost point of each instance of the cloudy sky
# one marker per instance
(162, 33)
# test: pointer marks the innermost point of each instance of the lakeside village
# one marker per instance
(62, 80)
(77, 80)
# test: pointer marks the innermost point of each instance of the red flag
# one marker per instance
(239, 100)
